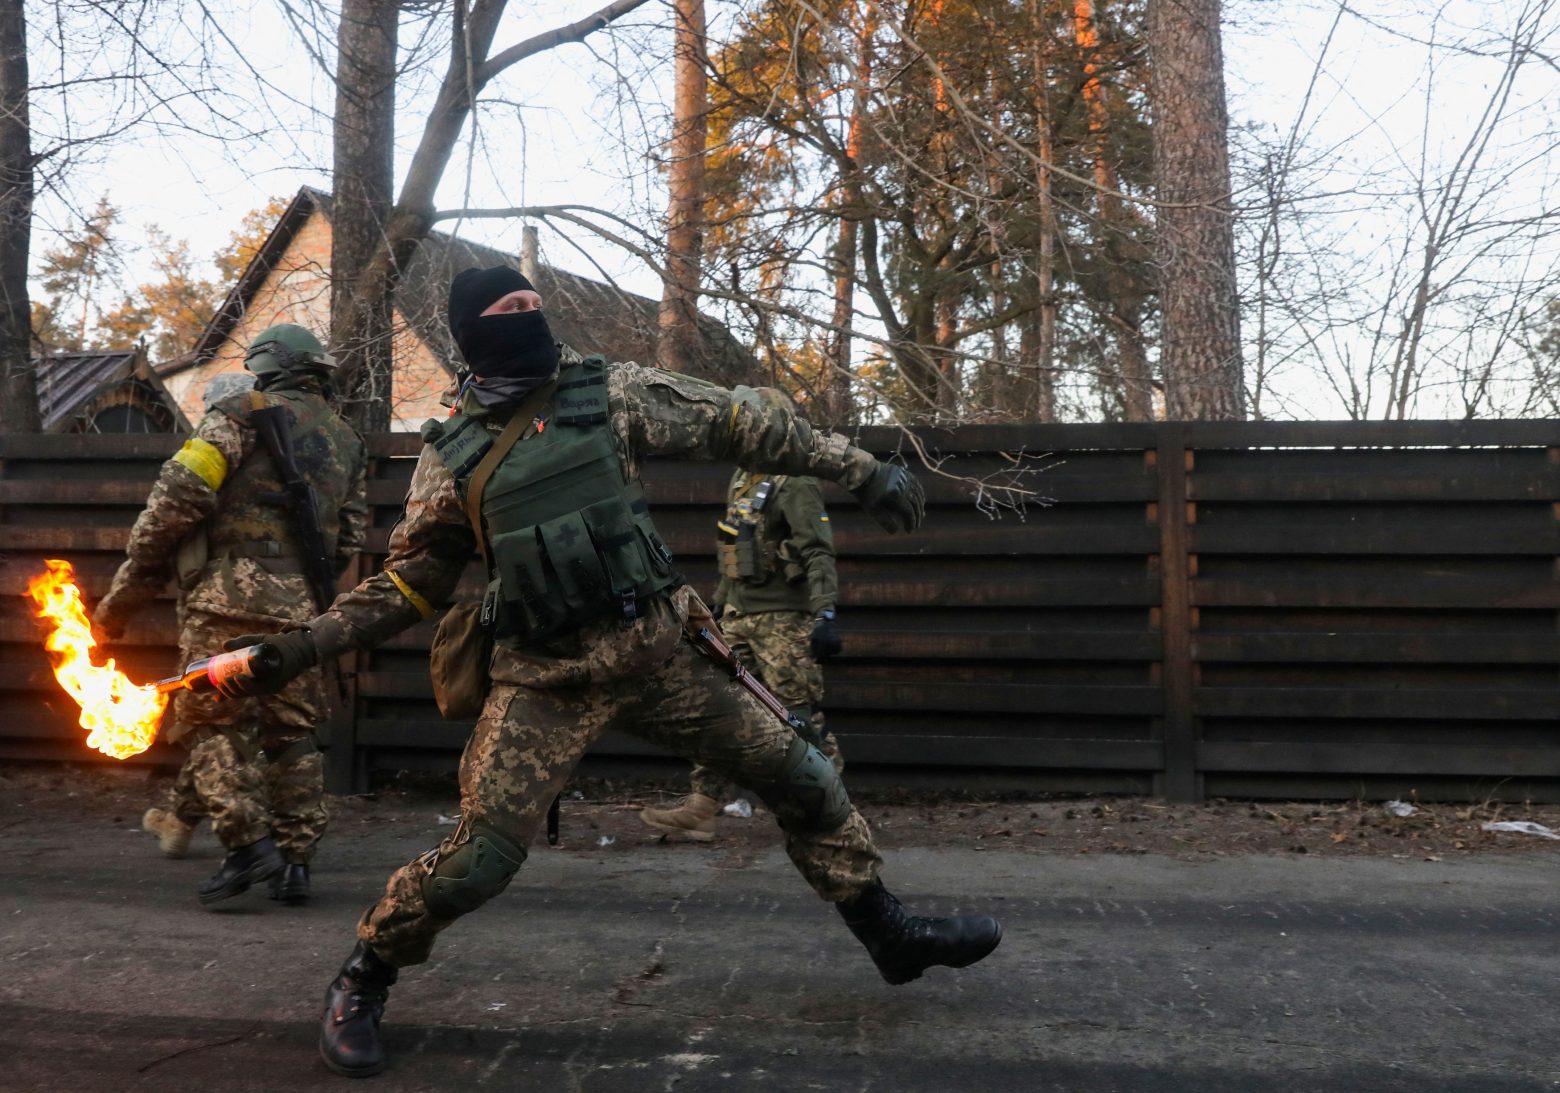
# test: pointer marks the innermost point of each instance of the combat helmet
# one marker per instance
(287, 348)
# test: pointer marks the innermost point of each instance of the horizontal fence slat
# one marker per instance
(1320, 537)
(1372, 488)
(1381, 648)
(1407, 758)
(1466, 592)
(1350, 702)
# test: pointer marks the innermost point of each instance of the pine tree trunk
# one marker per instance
(1040, 354)
(1123, 300)
(19, 390)
(677, 347)
(1200, 354)
(363, 180)
(842, 408)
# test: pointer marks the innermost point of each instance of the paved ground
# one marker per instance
(647, 966)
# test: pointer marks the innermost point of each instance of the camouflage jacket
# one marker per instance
(211, 487)
(653, 412)
(801, 542)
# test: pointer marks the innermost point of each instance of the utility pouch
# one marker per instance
(459, 659)
(190, 558)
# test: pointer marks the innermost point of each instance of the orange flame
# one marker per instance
(119, 716)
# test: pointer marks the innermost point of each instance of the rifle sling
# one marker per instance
(320, 585)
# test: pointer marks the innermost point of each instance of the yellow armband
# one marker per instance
(424, 608)
(204, 460)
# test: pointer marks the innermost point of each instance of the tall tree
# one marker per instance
(18, 383)
(78, 274)
(678, 321)
(470, 70)
(171, 311)
(1200, 354)
(363, 182)
(247, 239)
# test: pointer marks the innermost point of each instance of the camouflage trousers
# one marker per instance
(776, 646)
(528, 740)
(254, 765)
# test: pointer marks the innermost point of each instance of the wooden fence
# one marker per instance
(1243, 609)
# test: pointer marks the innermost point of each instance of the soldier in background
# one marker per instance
(776, 606)
(174, 825)
(219, 516)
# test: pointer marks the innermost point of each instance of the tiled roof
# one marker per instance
(66, 381)
(590, 315)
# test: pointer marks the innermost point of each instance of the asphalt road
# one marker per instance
(653, 967)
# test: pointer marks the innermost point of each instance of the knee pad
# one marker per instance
(807, 795)
(473, 873)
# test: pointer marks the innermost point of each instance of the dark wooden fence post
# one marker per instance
(1180, 781)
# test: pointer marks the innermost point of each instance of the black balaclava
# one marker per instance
(510, 354)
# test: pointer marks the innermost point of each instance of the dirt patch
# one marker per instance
(602, 816)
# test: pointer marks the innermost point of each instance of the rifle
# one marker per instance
(710, 644)
(275, 431)
(274, 428)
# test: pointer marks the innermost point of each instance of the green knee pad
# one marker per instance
(479, 869)
(807, 795)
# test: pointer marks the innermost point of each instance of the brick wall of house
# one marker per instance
(297, 290)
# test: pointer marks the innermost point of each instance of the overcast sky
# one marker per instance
(579, 124)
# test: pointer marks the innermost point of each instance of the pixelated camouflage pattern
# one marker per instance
(528, 740)
(181, 500)
(225, 775)
(797, 538)
(653, 412)
(252, 766)
(329, 455)
(776, 647)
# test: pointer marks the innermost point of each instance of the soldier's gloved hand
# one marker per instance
(717, 610)
(893, 497)
(108, 623)
(283, 658)
(825, 640)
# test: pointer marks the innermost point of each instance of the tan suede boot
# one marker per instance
(173, 834)
(693, 818)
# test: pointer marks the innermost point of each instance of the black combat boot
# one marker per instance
(354, 1005)
(291, 885)
(903, 946)
(242, 867)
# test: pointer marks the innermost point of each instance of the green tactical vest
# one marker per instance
(570, 538)
(745, 546)
(252, 519)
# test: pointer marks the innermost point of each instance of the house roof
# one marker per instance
(590, 315)
(69, 382)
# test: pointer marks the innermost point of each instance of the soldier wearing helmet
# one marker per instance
(218, 523)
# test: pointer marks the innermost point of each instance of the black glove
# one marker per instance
(283, 658)
(107, 622)
(717, 610)
(893, 497)
(825, 641)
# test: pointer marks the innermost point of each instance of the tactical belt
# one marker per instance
(275, 558)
